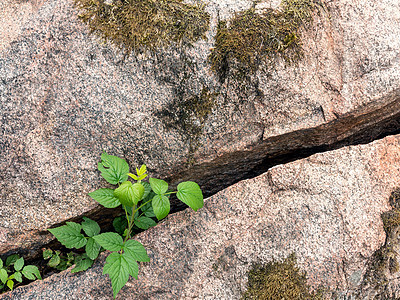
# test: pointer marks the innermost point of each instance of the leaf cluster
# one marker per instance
(14, 269)
(142, 202)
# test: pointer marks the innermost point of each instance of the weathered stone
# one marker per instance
(326, 209)
(65, 97)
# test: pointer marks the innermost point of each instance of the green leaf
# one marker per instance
(118, 270)
(113, 169)
(90, 227)
(190, 193)
(136, 250)
(133, 176)
(142, 170)
(120, 224)
(47, 253)
(161, 206)
(144, 222)
(147, 189)
(147, 209)
(54, 261)
(129, 194)
(159, 186)
(11, 259)
(1, 263)
(105, 197)
(10, 284)
(92, 248)
(18, 276)
(19, 263)
(69, 235)
(30, 272)
(133, 267)
(3, 276)
(110, 241)
(82, 263)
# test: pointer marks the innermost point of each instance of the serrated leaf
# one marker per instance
(110, 241)
(90, 227)
(144, 222)
(69, 235)
(142, 170)
(161, 206)
(120, 224)
(129, 194)
(133, 176)
(82, 263)
(18, 276)
(133, 267)
(19, 263)
(54, 261)
(105, 197)
(159, 186)
(47, 253)
(92, 248)
(30, 272)
(11, 259)
(3, 276)
(136, 250)
(113, 169)
(117, 268)
(10, 284)
(190, 193)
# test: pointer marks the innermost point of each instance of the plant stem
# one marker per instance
(169, 193)
(130, 224)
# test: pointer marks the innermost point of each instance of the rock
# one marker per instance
(326, 209)
(65, 97)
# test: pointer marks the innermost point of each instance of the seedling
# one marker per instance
(141, 201)
(14, 270)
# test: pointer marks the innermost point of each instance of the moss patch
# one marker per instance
(251, 38)
(384, 262)
(278, 281)
(137, 25)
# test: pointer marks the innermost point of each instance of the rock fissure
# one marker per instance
(354, 129)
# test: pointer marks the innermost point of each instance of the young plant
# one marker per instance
(8, 276)
(141, 201)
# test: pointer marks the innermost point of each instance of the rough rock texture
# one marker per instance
(65, 96)
(326, 209)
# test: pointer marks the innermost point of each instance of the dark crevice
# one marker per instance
(360, 127)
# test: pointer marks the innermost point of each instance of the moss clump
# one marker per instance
(138, 25)
(251, 38)
(384, 262)
(279, 281)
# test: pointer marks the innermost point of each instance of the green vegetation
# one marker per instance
(279, 281)
(140, 25)
(14, 270)
(384, 262)
(253, 37)
(141, 201)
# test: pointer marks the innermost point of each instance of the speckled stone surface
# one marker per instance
(325, 208)
(65, 97)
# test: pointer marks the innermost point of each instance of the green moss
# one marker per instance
(384, 261)
(252, 38)
(137, 25)
(279, 280)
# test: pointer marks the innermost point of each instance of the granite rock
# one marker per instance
(326, 209)
(65, 97)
